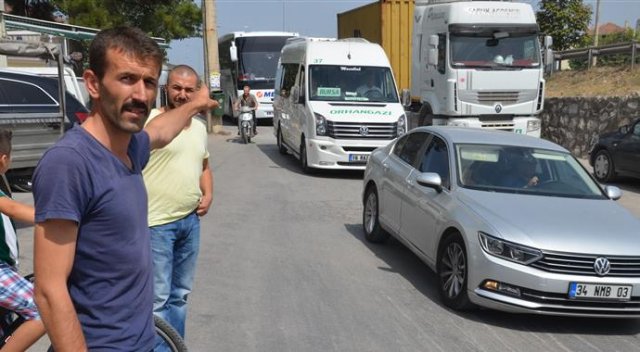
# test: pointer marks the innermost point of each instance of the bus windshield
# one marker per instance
(258, 60)
(484, 50)
(352, 83)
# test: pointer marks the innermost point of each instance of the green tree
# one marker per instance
(168, 19)
(567, 21)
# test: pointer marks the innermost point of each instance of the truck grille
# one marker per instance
(502, 126)
(495, 97)
(354, 130)
(582, 264)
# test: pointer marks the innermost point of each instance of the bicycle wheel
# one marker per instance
(169, 335)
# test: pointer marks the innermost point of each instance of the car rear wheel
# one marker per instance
(453, 273)
(373, 232)
(603, 168)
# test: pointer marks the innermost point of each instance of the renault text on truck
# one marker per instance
(336, 101)
(478, 64)
(250, 58)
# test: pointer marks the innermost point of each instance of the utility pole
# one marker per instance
(595, 31)
(3, 33)
(212, 65)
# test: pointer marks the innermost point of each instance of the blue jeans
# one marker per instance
(175, 251)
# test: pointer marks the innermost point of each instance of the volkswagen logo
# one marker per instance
(498, 108)
(601, 266)
(364, 130)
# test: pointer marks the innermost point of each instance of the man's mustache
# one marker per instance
(135, 104)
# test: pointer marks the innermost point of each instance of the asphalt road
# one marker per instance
(284, 267)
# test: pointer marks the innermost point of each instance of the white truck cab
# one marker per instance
(335, 102)
(478, 64)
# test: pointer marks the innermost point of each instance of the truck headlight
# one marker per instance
(507, 250)
(321, 125)
(402, 125)
(533, 125)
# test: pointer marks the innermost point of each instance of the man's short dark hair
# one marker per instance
(130, 40)
(5, 141)
(184, 69)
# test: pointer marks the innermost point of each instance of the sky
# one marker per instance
(318, 18)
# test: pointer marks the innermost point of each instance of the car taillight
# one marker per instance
(81, 116)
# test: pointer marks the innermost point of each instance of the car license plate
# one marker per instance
(580, 290)
(358, 157)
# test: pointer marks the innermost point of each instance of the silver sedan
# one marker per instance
(507, 221)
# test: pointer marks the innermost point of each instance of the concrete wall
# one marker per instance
(575, 122)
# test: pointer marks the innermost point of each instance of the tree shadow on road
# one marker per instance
(402, 261)
(291, 163)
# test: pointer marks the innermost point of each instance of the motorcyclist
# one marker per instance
(247, 99)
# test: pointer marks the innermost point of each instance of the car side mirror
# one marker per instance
(295, 94)
(432, 58)
(624, 129)
(431, 180)
(613, 192)
(548, 57)
(548, 41)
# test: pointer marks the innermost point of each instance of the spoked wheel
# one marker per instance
(370, 221)
(603, 168)
(281, 148)
(453, 273)
(167, 337)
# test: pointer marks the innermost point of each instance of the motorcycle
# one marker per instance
(246, 123)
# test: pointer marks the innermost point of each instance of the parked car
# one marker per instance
(507, 221)
(617, 153)
(29, 107)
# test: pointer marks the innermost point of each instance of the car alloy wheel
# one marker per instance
(452, 271)
(603, 166)
(373, 232)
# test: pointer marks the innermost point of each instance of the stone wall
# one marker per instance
(574, 123)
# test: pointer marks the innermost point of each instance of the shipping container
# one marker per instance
(388, 23)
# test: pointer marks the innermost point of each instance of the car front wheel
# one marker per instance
(373, 232)
(453, 273)
(603, 168)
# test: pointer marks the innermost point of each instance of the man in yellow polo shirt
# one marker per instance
(180, 189)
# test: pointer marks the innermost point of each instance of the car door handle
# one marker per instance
(409, 184)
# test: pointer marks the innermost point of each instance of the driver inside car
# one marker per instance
(368, 87)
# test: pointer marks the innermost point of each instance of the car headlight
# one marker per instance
(402, 125)
(533, 125)
(321, 125)
(507, 250)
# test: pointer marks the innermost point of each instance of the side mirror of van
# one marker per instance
(295, 93)
(548, 57)
(548, 41)
(405, 97)
(233, 52)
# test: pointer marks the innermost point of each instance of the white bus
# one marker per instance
(250, 58)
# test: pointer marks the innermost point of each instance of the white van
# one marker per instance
(335, 102)
(70, 80)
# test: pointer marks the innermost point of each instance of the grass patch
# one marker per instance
(597, 81)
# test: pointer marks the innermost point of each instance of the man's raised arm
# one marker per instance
(166, 126)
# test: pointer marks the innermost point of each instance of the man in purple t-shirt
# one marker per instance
(92, 250)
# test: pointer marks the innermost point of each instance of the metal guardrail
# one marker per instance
(632, 48)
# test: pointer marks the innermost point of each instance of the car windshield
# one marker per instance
(516, 51)
(352, 83)
(514, 169)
